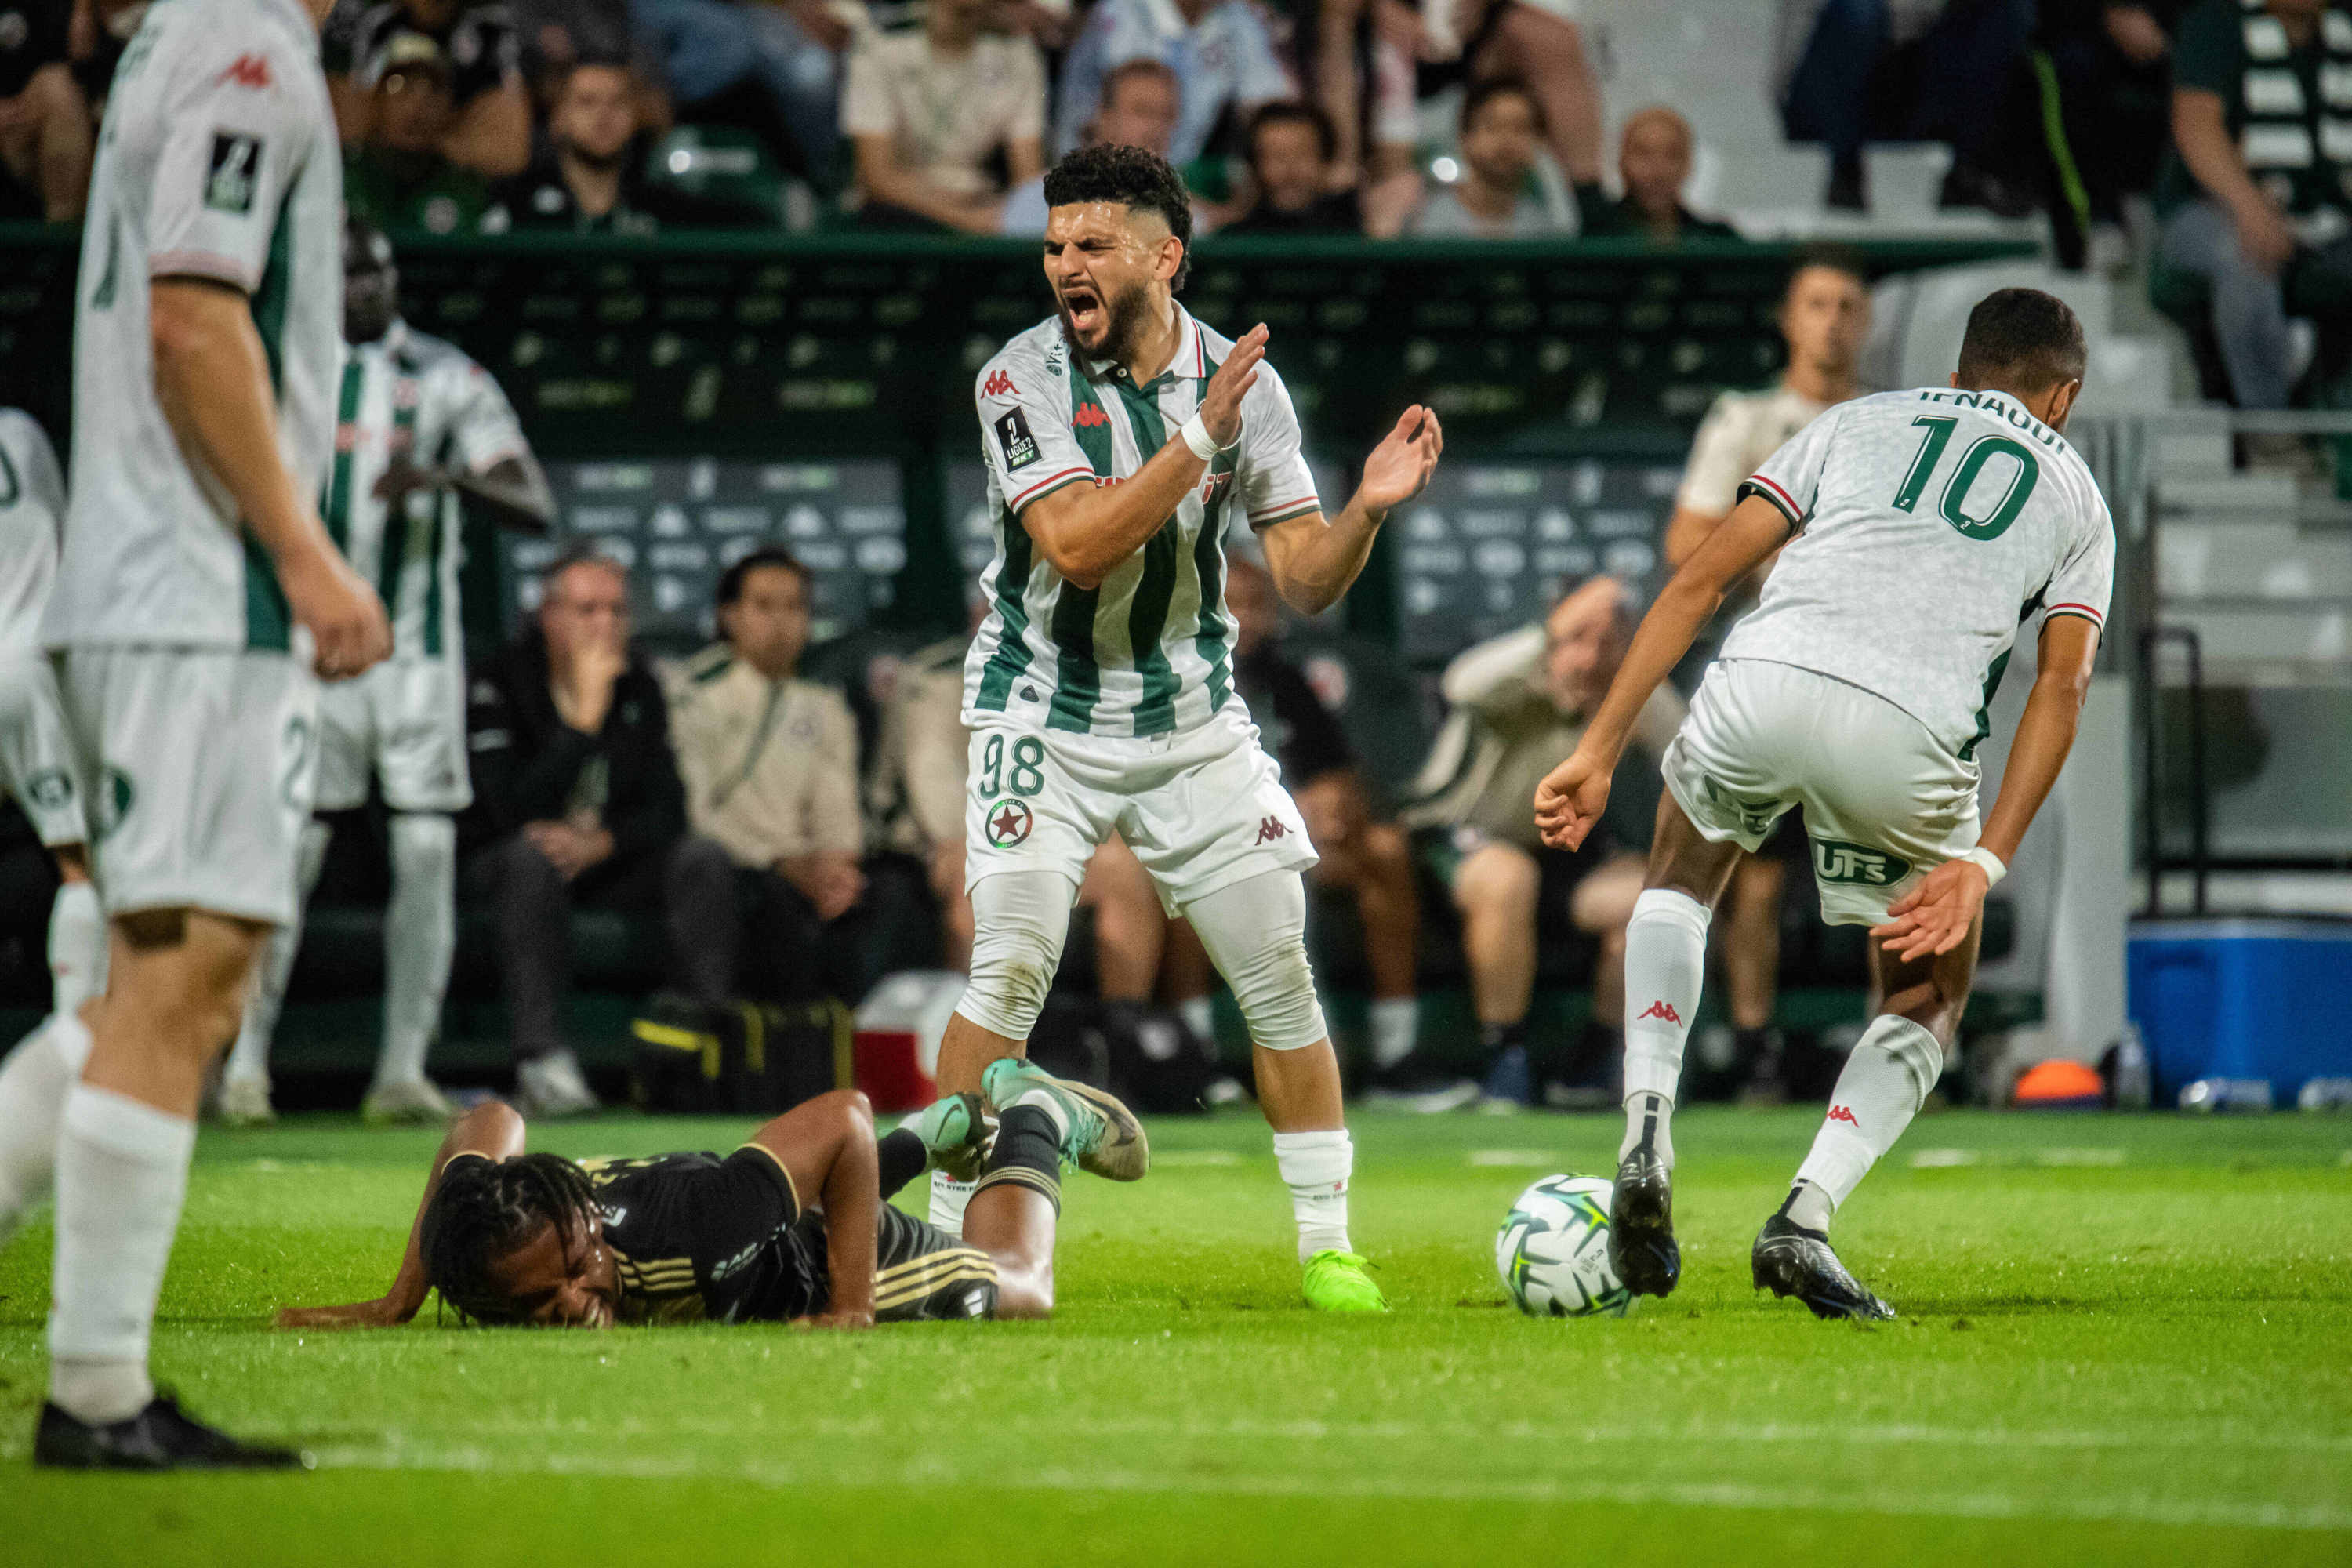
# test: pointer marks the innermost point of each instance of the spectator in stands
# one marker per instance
(1520, 703)
(1138, 109)
(2254, 196)
(1222, 55)
(1370, 860)
(917, 799)
(786, 55)
(590, 179)
(1863, 72)
(1824, 319)
(1538, 43)
(398, 176)
(770, 764)
(488, 126)
(1361, 75)
(2113, 65)
(577, 801)
(926, 112)
(44, 121)
(1502, 128)
(1291, 148)
(1653, 163)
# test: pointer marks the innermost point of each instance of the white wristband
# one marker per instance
(1196, 437)
(1993, 869)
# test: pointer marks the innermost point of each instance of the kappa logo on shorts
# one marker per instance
(1834, 860)
(1663, 1009)
(1839, 1113)
(1271, 830)
(1009, 822)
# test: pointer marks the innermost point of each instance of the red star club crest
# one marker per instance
(1009, 822)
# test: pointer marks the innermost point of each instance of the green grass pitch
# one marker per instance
(2124, 1340)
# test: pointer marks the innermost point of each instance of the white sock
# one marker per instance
(1665, 963)
(123, 1175)
(1395, 1028)
(76, 947)
(1649, 1118)
(248, 1058)
(1894, 1066)
(33, 1082)
(1200, 1017)
(420, 937)
(1315, 1166)
(949, 1197)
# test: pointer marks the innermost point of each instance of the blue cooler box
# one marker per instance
(2243, 997)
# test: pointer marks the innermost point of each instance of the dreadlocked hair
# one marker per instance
(486, 1209)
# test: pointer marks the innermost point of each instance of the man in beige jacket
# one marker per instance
(769, 764)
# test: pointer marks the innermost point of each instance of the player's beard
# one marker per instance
(1125, 315)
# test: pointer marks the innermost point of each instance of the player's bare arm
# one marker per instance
(1314, 559)
(513, 490)
(1936, 916)
(1570, 799)
(494, 1130)
(212, 379)
(1085, 530)
(827, 1147)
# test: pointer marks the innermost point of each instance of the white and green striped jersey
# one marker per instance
(419, 399)
(1149, 652)
(32, 509)
(217, 161)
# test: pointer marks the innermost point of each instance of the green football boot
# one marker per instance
(1103, 1138)
(1335, 1281)
(956, 1132)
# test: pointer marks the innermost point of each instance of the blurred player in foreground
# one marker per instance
(792, 1227)
(1120, 436)
(417, 425)
(1928, 526)
(197, 602)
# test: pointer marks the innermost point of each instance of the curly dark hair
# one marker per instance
(1145, 182)
(483, 1211)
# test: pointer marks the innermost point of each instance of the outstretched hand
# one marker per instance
(1571, 800)
(1936, 916)
(1400, 466)
(1220, 404)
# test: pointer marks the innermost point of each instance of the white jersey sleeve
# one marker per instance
(1026, 430)
(239, 140)
(1274, 482)
(1790, 478)
(2085, 579)
(483, 429)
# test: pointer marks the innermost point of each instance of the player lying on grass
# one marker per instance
(1922, 529)
(790, 1227)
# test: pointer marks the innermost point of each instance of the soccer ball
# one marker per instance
(1553, 1250)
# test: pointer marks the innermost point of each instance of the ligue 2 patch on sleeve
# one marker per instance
(236, 170)
(1012, 436)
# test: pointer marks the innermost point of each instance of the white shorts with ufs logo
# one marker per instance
(1201, 810)
(197, 762)
(405, 721)
(1884, 802)
(36, 763)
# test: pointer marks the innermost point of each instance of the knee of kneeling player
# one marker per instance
(1011, 970)
(1275, 991)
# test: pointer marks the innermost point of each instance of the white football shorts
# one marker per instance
(197, 764)
(404, 721)
(1201, 810)
(36, 759)
(1884, 802)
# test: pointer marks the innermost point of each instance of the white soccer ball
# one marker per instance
(1552, 1252)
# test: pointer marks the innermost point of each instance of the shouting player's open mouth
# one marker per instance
(1083, 310)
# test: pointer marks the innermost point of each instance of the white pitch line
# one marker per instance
(2167, 1509)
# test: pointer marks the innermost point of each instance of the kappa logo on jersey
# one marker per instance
(248, 71)
(1271, 830)
(236, 170)
(998, 385)
(1009, 823)
(1837, 861)
(1090, 416)
(1014, 440)
(1663, 1009)
(1839, 1113)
